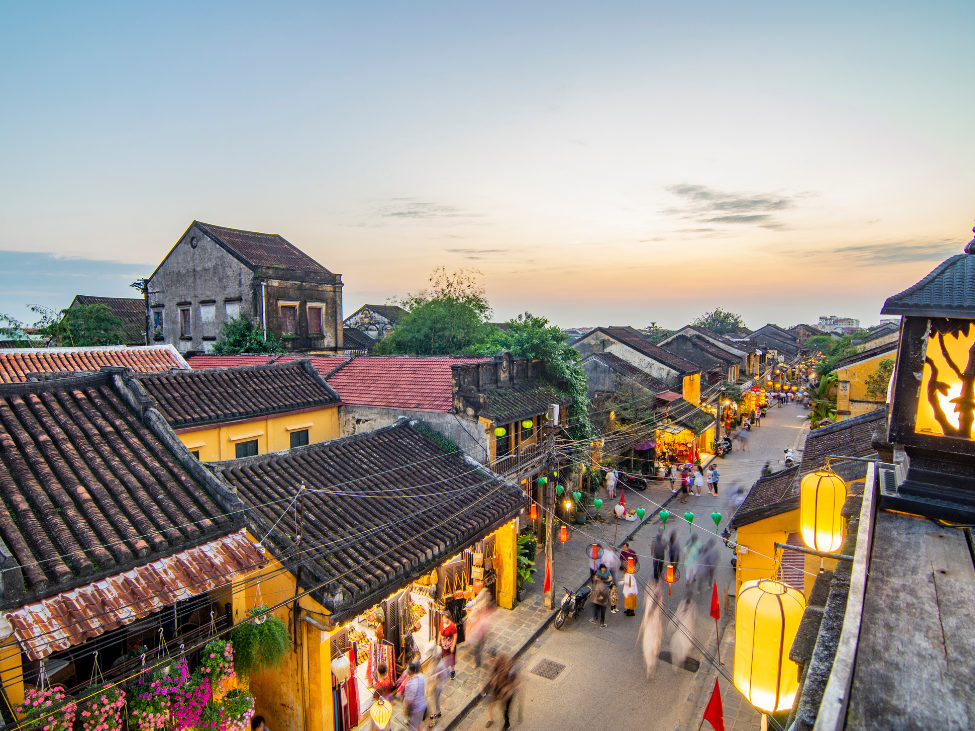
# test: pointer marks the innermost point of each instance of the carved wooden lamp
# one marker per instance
(932, 411)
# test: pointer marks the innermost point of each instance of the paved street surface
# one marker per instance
(604, 683)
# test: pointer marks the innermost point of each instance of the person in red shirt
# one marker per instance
(448, 645)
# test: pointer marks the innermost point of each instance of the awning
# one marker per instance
(668, 396)
(73, 617)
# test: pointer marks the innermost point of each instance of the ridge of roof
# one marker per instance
(17, 363)
(631, 337)
(613, 361)
(866, 355)
(260, 249)
(768, 496)
(948, 291)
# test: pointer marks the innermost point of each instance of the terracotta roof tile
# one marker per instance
(324, 364)
(260, 249)
(354, 339)
(194, 398)
(417, 504)
(86, 487)
(766, 493)
(17, 363)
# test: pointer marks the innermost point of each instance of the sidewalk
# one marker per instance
(515, 631)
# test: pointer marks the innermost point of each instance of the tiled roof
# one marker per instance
(704, 346)
(194, 398)
(260, 249)
(881, 331)
(866, 355)
(131, 311)
(687, 415)
(766, 498)
(520, 401)
(393, 313)
(399, 382)
(17, 363)
(722, 340)
(380, 509)
(948, 291)
(324, 364)
(354, 339)
(89, 485)
(633, 339)
(847, 438)
(628, 370)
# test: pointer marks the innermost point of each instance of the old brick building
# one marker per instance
(214, 274)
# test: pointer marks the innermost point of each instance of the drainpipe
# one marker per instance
(264, 307)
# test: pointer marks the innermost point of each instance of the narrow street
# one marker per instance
(604, 684)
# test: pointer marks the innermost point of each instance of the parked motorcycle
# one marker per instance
(789, 458)
(572, 605)
(723, 446)
(634, 482)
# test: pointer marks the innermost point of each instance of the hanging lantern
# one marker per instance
(689, 517)
(577, 496)
(563, 534)
(527, 424)
(716, 517)
(767, 618)
(641, 512)
(533, 512)
(559, 489)
(381, 712)
(594, 552)
(555, 473)
(664, 514)
(598, 503)
(630, 565)
(542, 480)
(670, 576)
(500, 431)
(821, 496)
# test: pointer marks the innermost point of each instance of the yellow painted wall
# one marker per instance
(298, 695)
(11, 671)
(506, 547)
(273, 434)
(759, 537)
(691, 389)
(851, 392)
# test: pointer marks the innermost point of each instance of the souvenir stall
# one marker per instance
(406, 627)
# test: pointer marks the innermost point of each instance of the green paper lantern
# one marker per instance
(500, 431)
(664, 514)
(716, 517)
(542, 480)
(641, 512)
(577, 496)
(689, 517)
(527, 424)
(555, 474)
(559, 489)
(598, 503)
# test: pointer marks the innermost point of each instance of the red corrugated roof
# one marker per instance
(16, 363)
(399, 382)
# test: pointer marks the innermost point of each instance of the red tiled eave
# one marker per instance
(17, 363)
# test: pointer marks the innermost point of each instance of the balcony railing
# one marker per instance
(525, 462)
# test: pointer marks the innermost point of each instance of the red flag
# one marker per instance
(623, 499)
(548, 574)
(714, 713)
(715, 605)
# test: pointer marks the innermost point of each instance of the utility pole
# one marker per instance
(549, 503)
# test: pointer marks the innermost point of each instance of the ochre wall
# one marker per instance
(851, 393)
(691, 389)
(272, 433)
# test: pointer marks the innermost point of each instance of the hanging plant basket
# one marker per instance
(102, 711)
(189, 700)
(47, 710)
(261, 643)
(238, 709)
(217, 662)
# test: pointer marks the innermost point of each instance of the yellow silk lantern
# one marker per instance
(381, 713)
(767, 617)
(821, 497)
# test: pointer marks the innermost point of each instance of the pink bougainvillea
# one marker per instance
(102, 711)
(217, 661)
(47, 710)
(188, 702)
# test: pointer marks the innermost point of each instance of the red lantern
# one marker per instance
(563, 536)
(631, 565)
(669, 578)
(594, 549)
(533, 512)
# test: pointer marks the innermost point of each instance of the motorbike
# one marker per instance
(723, 446)
(789, 458)
(572, 605)
(634, 482)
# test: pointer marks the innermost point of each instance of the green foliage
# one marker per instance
(446, 319)
(140, 285)
(824, 400)
(241, 335)
(528, 336)
(720, 322)
(835, 349)
(12, 330)
(877, 382)
(444, 442)
(527, 550)
(260, 643)
(81, 326)
(733, 394)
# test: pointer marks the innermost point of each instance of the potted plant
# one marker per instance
(50, 710)
(527, 550)
(189, 700)
(260, 643)
(102, 708)
(217, 664)
(238, 709)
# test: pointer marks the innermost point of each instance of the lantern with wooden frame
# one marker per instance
(767, 616)
(381, 712)
(821, 498)
(932, 393)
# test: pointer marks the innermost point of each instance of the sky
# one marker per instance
(599, 163)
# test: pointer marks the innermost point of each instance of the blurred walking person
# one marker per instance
(680, 642)
(651, 628)
(414, 697)
(600, 595)
(436, 673)
(658, 552)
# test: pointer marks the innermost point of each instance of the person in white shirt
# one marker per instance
(611, 478)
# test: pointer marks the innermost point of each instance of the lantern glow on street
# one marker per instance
(767, 617)
(821, 498)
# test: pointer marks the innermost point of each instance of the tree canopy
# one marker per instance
(720, 322)
(81, 326)
(446, 319)
(242, 335)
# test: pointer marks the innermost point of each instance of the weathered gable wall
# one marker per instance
(468, 434)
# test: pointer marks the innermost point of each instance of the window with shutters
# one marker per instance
(247, 449)
(316, 320)
(185, 318)
(289, 319)
(299, 438)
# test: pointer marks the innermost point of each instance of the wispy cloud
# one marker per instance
(896, 252)
(707, 205)
(414, 208)
(477, 254)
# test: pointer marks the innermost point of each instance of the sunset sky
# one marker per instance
(600, 163)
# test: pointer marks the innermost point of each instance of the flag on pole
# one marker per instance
(714, 713)
(715, 604)
(548, 574)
